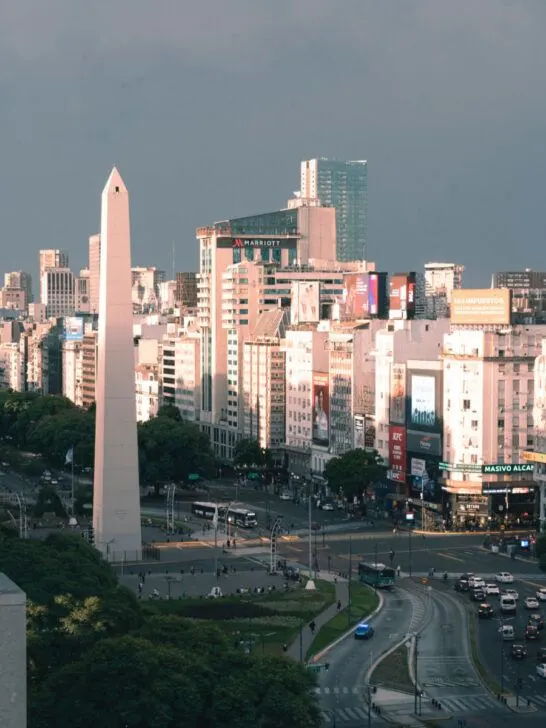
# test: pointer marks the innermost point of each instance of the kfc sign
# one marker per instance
(397, 453)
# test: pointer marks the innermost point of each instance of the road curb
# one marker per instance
(335, 643)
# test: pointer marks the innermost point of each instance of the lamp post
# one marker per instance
(350, 580)
(415, 675)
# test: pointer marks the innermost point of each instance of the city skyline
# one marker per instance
(452, 164)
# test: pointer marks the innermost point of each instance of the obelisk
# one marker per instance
(116, 491)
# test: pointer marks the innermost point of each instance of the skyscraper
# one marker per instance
(116, 492)
(94, 272)
(343, 185)
(51, 258)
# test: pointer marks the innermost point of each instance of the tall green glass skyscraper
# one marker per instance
(343, 185)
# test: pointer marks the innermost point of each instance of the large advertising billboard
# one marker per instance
(402, 296)
(378, 298)
(481, 306)
(73, 328)
(423, 400)
(397, 453)
(425, 478)
(321, 409)
(305, 303)
(397, 403)
(425, 443)
(355, 295)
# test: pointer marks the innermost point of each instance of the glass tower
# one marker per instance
(343, 185)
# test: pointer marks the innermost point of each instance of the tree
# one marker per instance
(353, 471)
(54, 434)
(171, 411)
(248, 453)
(169, 451)
(48, 501)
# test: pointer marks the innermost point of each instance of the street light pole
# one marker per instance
(415, 676)
(350, 580)
(409, 545)
(310, 536)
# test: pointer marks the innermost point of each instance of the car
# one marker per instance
(461, 585)
(476, 582)
(541, 594)
(531, 632)
(504, 577)
(531, 603)
(364, 631)
(477, 595)
(286, 496)
(485, 610)
(541, 669)
(541, 654)
(510, 593)
(537, 620)
(328, 507)
(492, 589)
(518, 652)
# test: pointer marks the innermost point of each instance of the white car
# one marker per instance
(541, 669)
(286, 496)
(504, 577)
(510, 593)
(531, 603)
(493, 589)
(541, 594)
(328, 507)
(476, 582)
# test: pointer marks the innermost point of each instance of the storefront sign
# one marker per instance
(496, 490)
(507, 469)
(534, 457)
(461, 467)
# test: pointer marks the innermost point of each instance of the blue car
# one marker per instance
(364, 631)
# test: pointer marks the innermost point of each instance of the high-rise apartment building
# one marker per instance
(186, 290)
(51, 258)
(181, 374)
(81, 292)
(57, 291)
(20, 280)
(344, 186)
(440, 280)
(145, 288)
(536, 455)
(94, 272)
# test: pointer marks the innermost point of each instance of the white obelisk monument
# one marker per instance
(116, 491)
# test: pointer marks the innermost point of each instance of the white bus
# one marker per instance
(202, 509)
(242, 517)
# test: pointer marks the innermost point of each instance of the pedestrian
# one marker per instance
(339, 605)
(312, 627)
(398, 570)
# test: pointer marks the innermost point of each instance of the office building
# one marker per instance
(94, 272)
(89, 368)
(186, 290)
(344, 186)
(20, 280)
(57, 291)
(528, 289)
(48, 259)
(13, 298)
(147, 389)
(239, 258)
(181, 374)
(82, 302)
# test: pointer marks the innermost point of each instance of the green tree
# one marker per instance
(169, 451)
(169, 410)
(48, 501)
(54, 434)
(353, 471)
(248, 453)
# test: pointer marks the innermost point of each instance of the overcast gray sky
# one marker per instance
(208, 106)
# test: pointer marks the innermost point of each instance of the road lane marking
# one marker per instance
(448, 556)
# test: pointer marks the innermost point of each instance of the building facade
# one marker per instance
(50, 258)
(186, 290)
(440, 280)
(57, 291)
(343, 186)
(94, 272)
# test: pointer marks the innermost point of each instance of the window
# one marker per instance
(500, 424)
(466, 404)
(474, 424)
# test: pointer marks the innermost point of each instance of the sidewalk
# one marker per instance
(298, 649)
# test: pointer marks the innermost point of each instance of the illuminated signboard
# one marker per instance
(280, 243)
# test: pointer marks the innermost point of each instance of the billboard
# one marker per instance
(355, 295)
(425, 478)
(423, 400)
(378, 299)
(481, 306)
(424, 443)
(73, 328)
(397, 453)
(397, 404)
(402, 296)
(321, 409)
(305, 303)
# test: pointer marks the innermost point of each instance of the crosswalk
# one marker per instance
(338, 691)
(538, 700)
(458, 704)
(343, 715)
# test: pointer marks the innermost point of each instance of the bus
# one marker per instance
(206, 510)
(377, 575)
(242, 517)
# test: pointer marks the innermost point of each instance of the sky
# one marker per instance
(208, 107)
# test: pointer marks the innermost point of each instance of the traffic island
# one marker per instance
(364, 601)
(393, 671)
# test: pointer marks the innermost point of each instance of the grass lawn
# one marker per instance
(259, 622)
(393, 671)
(363, 602)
